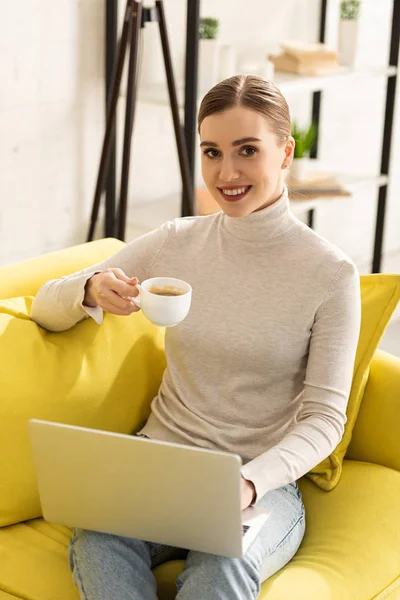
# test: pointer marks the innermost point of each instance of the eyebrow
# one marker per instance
(235, 143)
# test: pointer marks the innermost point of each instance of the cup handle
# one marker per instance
(136, 300)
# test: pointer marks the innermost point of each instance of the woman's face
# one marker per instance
(243, 160)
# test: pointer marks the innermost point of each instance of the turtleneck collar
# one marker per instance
(265, 224)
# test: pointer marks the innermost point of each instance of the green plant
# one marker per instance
(304, 139)
(208, 28)
(350, 9)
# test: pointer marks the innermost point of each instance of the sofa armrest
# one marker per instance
(376, 435)
(25, 278)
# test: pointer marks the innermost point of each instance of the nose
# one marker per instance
(229, 171)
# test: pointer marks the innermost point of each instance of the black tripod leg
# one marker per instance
(129, 116)
(110, 123)
(191, 77)
(179, 136)
(111, 42)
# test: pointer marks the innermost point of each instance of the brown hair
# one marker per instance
(253, 92)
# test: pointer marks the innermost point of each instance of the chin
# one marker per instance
(236, 209)
(239, 209)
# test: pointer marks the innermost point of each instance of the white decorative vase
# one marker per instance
(348, 36)
(208, 64)
(298, 168)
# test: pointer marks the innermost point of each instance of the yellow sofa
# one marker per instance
(105, 377)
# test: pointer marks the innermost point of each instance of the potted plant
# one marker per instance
(208, 53)
(304, 139)
(348, 31)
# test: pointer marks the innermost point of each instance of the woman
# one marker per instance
(262, 365)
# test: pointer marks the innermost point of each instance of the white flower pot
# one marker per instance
(348, 36)
(298, 168)
(208, 64)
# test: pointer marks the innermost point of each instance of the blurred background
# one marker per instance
(52, 117)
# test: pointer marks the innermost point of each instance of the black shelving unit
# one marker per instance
(387, 137)
(317, 99)
(191, 71)
(387, 127)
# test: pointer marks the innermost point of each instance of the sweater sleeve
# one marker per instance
(58, 304)
(320, 421)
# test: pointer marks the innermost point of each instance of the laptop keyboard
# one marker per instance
(245, 529)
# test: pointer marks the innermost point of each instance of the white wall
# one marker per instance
(52, 120)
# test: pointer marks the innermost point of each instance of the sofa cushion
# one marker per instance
(34, 561)
(351, 549)
(101, 377)
(25, 278)
(376, 435)
(380, 295)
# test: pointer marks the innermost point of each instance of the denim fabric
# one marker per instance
(106, 567)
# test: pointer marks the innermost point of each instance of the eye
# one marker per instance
(211, 153)
(248, 151)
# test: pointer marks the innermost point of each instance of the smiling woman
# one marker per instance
(262, 364)
(244, 126)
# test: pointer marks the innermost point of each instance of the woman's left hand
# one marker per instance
(248, 492)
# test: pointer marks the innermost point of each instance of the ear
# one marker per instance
(288, 152)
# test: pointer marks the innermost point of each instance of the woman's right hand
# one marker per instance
(108, 289)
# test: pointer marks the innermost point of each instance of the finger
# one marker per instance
(114, 299)
(109, 307)
(118, 281)
(113, 310)
(124, 289)
(135, 308)
(119, 274)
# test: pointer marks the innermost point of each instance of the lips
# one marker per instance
(232, 195)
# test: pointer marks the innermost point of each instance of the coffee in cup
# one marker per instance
(165, 301)
(167, 290)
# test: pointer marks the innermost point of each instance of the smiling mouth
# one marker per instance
(234, 194)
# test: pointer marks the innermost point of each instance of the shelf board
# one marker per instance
(342, 179)
(347, 180)
(287, 82)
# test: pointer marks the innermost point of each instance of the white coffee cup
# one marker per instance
(165, 311)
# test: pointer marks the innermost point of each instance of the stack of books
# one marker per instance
(305, 59)
(315, 185)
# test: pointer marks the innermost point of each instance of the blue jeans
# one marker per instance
(109, 567)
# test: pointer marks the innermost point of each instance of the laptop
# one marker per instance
(131, 486)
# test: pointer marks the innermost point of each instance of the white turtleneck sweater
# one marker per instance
(263, 363)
